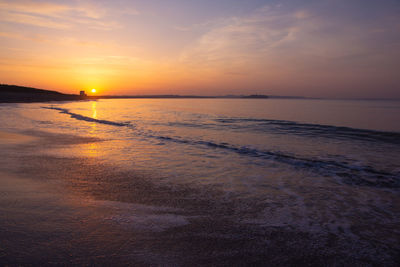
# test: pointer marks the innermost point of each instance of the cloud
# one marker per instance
(33, 20)
(33, 7)
(52, 9)
(63, 41)
(324, 47)
(55, 15)
(242, 38)
(18, 36)
(293, 38)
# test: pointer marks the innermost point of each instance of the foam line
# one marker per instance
(85, 118)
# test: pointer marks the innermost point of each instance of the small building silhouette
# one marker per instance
(82, 93)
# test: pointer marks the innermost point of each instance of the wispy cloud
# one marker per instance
(289, 38)
(308, 47)
(59, 41)
(54, 15)
(242, 38)
(33, 20)
(35, 7)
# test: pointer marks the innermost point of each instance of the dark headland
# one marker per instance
(22, 94)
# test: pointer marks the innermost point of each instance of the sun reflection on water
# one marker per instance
(92, 149)
(93, 125)
(94, 110)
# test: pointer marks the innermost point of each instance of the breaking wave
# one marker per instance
(86, 118)
(350, 173)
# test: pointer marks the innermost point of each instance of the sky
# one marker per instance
(324, 48)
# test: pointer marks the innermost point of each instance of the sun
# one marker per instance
(93, 90)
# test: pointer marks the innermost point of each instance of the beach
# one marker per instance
(53, 213)
(69, 199)
(199, 133)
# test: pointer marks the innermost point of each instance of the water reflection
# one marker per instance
(92, 149)
(94, 110)
(93, 125)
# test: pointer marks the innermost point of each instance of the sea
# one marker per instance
(323, 167)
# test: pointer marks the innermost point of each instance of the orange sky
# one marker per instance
(305, 48)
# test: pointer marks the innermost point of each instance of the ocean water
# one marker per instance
(319, 166)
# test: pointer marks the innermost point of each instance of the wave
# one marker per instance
(351, 174)
(308, 129)
(291, 128)
(86, 118)
(269, 126)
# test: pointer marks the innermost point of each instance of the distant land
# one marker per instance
(22, 94)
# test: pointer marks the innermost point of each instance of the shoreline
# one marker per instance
(77, 210)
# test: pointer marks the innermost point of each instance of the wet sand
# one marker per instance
(14, 138)
(78, 211)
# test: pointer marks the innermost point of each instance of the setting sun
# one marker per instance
(93, 90)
